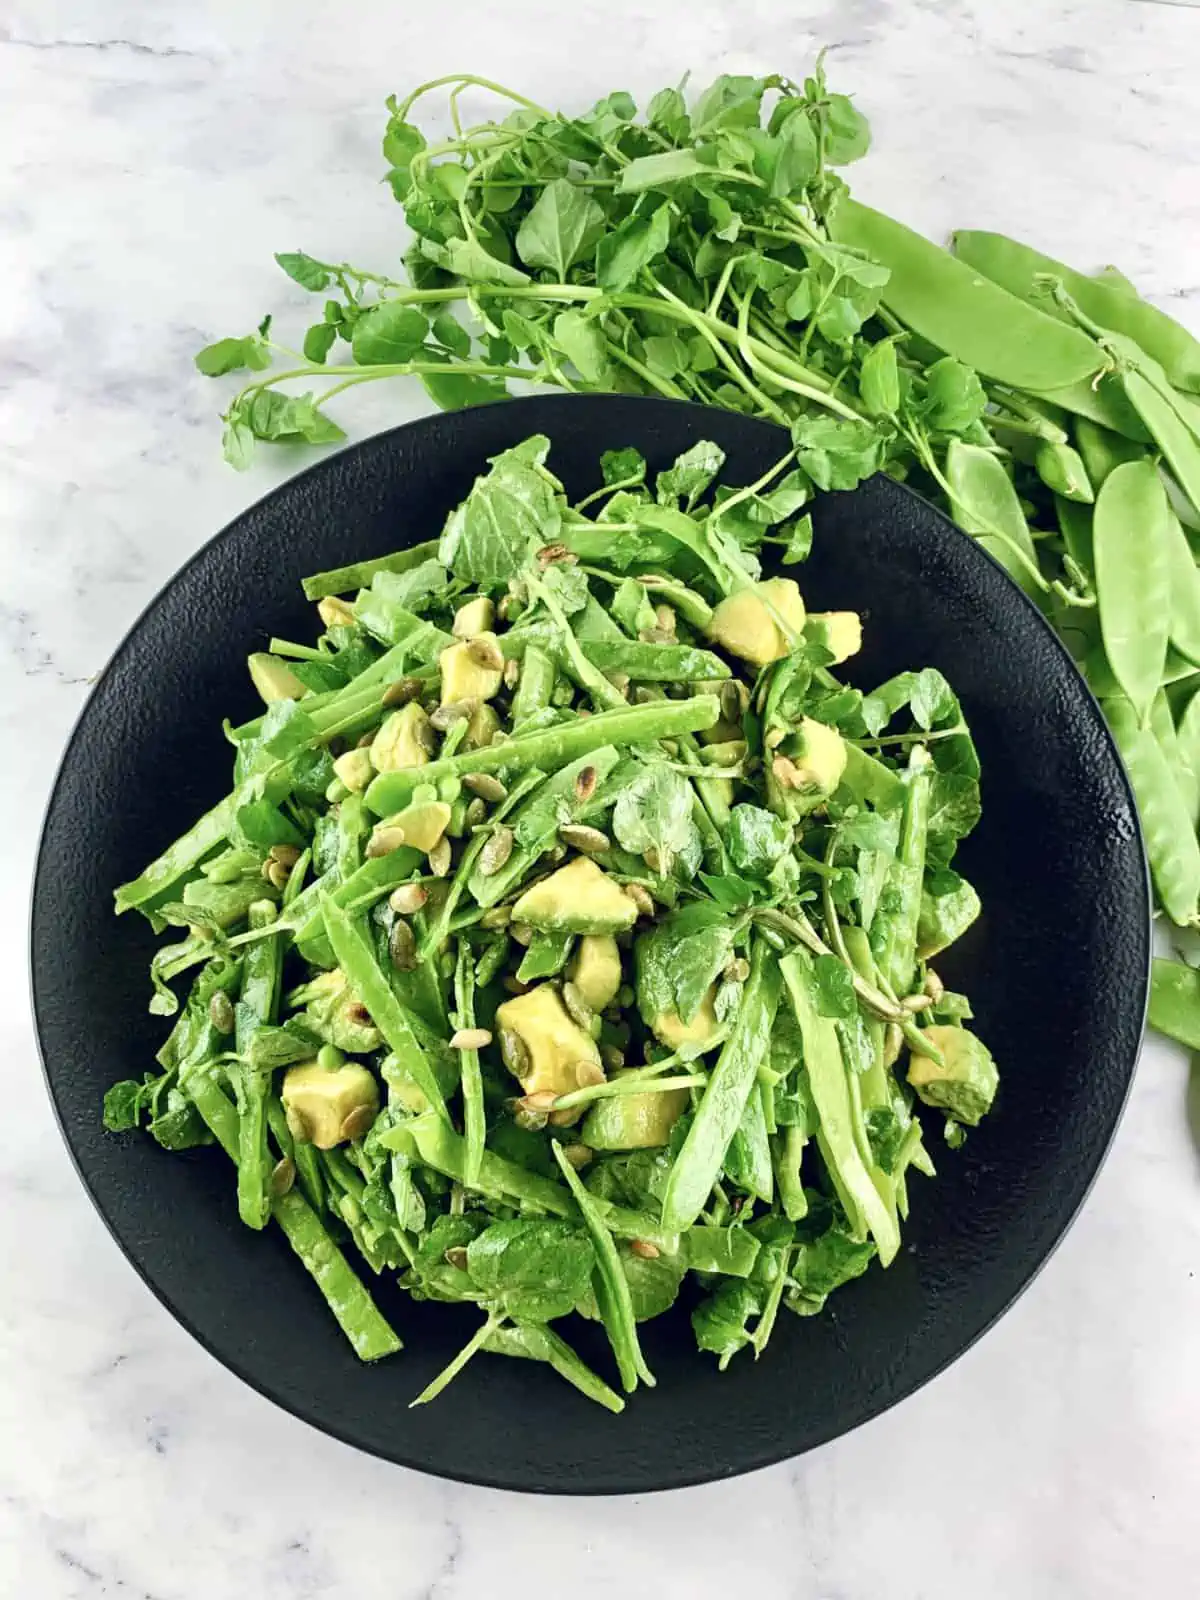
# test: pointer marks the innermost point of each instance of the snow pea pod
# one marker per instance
(1171, 433)
(1133, 578)
(1016, 267)
(1102, 450)
(894, 931)
(1162, 726)
(1100, 400)
(1175, 1001)
(1185, 591)
(724, 1102)
(1075, 525)
(1166, 826)
(985, 504)
(965, 314)
(1187, 747)
(1061, 468)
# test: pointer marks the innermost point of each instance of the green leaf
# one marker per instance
(448, 330)
(681, 958)
(690, 475)
(535, 1270)
(582, 341)
(302, 269)
(756, 839)
(836, 454)
(560, 228)
(847, 132)
(455, 391)
(720, 1321)
(933, 701)
(954, 809)
(620, 466)
(388, 334)
(879, 379)
(623, 253)
(237, 445)
(468, 259)
(834, 988)
(799, 543)
(730, 893)
(667, 114)
(233, 355)
(954, 396)
(662, 169)
(318, 341)
(823, 1264)
(730, 102)
(655, 813)
(509, 513)
(124, 1104)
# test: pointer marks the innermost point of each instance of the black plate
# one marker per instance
(1057, 968)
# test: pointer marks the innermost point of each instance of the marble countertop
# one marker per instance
(155, 157)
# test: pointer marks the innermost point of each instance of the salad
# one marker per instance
(563, 943)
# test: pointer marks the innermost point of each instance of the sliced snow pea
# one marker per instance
(1016, 267)
(965, 314)
(1167, 828)
(1133, 578)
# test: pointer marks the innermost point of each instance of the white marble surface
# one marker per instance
(154, 157)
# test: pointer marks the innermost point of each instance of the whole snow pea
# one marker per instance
(1171, 433)
(1166, 826)
(1175, 1001)
(1162, 726)
(1187, 747)
(1016, 267)
(1075, 525)
(1102, 401)
(966, 315)
(1185, 591)
(1133, 582)
(985, 504)
(1102, 450)
(1061, 468)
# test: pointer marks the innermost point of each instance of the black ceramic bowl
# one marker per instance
(1057, 968)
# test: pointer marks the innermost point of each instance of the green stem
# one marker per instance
(453, 1368)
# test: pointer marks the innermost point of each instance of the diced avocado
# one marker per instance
(702, 1030)
(482, 728)
(596, 969)
(419, 826)
(355, 769)
(724, 753)
(329, 1107)
(332, 1010)
(945, 917)
(578, 898)
(273, 678)
(463, 678)
(820, 756)
(633, 1121)
(744, 623)
(556, 1044)
(839, 632)
(966, 1085)
(474, 618)
(404, 740)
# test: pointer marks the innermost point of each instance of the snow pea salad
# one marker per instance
(563, 944)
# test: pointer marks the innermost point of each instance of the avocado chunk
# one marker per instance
(744, 623)
(356, 769)
(703, 1029)
(839, 632)
(463, 677)
(404, 740)
(273, 678)
(820, 756)
(333, 1012)
(966, 1085)
(557, 1047)
(328, 1107)
(482, 728)
(474, 618)
(633, 1121)
(578, 898)
(946, 917)
(596, 969)
(420, 826)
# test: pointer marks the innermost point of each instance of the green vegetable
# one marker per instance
(519, 1041)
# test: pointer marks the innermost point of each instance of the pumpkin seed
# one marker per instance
(512, 673)
(440, 857)
(514, 1052)
(485, 786)
(357, 1123)
(577, 1154)
(402, 946)
(475, 813)
(445, 716)
(456, 1257)
(286, 854)
(641, 899)
(591, 841)
(485, 652)
(588, 1073)
(612, 1058)
(496, 917)
(470, 1039)
(402, 691)
(643, 1248)
(496, 851)
(409, 897)
(585, 784)
(577, 1007)
(283, 1176)
(220, 1012)
(550, 553)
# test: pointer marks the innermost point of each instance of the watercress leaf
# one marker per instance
(655, 813)
(932, 700)
(836, 454)
(388, 334)
(508, 514)
(954, 808)
(667, 113)
(730, 893)
(799, 540)
(401, 141)
(756, 839)
(882, 704)
(471, 260)
(124, 1104)
(581, 339)
(720, 1321)
(569, 586)
(662, 169)
(621, 466)
(794, 159)
(302, 269)
(731, 102)
(885, 1133)
(679, 960)
(690, 474)
(879, 379)
(237, 445)
(561, 227)
(847, 132)
(834, 988)
(954, 397)
(233, 355)
(318, 341)
(534, 1269)
(822, 1265)
(449, 331)
(639, 240)
(455, 391)
(667, 354)
(870, 830)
